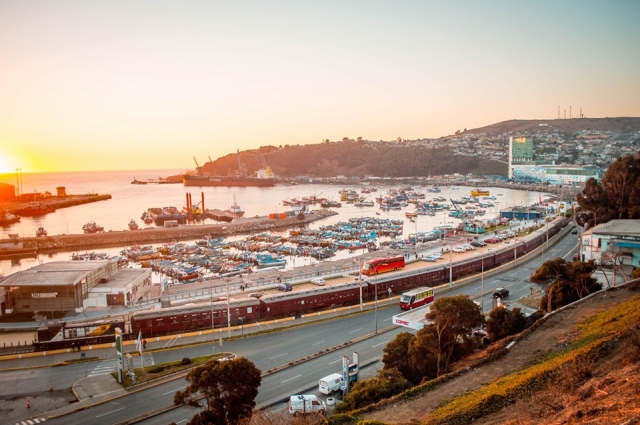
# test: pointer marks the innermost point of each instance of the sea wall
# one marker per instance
(31, 247)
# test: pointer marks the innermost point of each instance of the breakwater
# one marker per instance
(34, 246)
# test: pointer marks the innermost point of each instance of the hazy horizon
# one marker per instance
(90, 85)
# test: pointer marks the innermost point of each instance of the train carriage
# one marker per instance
(504, 256)
(399, 283)
(308, 300)
(71, 335)
(194, 318)
(467, 267)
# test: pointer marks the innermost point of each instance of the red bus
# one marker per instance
(381, 265)
(416, 298)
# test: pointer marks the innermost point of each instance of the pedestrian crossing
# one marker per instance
(105, 367)
(31, 421)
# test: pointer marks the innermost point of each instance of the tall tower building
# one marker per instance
(520, 152)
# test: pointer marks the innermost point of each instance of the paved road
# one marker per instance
(271, 350)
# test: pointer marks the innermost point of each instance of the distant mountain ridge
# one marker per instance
(617, 125)
(403, 158)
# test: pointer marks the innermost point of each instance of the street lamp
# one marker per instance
(450, 266)
(360, 283)
(228, 312)
(482, 284)
(375, 285)
(213, 335)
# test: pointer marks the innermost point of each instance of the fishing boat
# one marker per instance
(235, 209)
(480, 192)
(92, 227)
(147, 218)
(133, 225)
(330, 204)
(41, 232)
(7, 218)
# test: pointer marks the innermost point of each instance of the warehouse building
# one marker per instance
(63, 286)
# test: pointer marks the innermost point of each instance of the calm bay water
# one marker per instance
(130, 201)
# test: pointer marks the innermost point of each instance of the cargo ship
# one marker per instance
(192, 180)
(263, 178)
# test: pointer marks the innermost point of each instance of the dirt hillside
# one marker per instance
(613, 382)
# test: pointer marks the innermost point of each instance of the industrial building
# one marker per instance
(63, 286)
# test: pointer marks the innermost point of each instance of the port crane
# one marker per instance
(466, 225)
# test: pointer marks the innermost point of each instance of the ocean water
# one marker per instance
(130, 201)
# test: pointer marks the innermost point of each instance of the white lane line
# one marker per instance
(382, 343)
(177, 389)
(319, 342)
(283, 354)
(184, 420)
(108, 413)
(297, 376)
(339, 360)
(355, 330)
(387, 319)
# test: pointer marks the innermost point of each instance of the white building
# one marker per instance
(621, 237)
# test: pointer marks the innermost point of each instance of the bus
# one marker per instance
(416, 298)
(381, 265)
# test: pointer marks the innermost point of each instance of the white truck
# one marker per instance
(305, 404)
(331, 383)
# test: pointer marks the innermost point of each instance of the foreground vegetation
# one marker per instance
(566, 370)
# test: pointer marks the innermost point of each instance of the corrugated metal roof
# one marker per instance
(618, 228)
(57, 273)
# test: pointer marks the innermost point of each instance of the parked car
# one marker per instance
(459, 249)
(437, 255)
(500, 293)
(574, 232)
(318, 281)
(284, 287)
(430, 258)
(478, 243)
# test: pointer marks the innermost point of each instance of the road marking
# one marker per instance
(387, 319)
(319, 342)
(184, 420)
(355, 330)
(297, 376)
(177, 389)
(382, 343)
(339, 360)
(108, 413)
(283, 354)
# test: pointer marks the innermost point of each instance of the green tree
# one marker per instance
(229, 389)
(424, 354)
(503, 322)
(567, 282)
(453, 319)
(396, 356)
(616, 197)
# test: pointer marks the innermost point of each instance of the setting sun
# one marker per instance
(7, 164)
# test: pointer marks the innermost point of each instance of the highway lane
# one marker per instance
(279, 348)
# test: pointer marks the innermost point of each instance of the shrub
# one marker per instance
(503, 322)
(185, 361)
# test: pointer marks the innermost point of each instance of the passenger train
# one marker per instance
(278, 305)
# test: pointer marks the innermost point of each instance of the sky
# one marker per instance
(126, 85)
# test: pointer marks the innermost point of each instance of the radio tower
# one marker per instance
(569, 111)
(558, 111)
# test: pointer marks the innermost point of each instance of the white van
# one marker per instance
(305, 404)
(331, 383)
